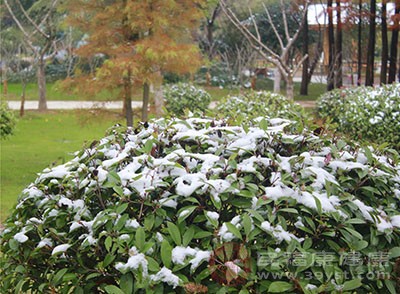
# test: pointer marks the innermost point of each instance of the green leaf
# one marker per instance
(188, 236)
(264, 124)
(246, 224)
(235, 231)
(318, 204)
(149, 222)
(394, 252)
(58, 276)
(140, 238)
(120, 209)
(111, 289)
(187, 212)
(202, 234)
(148, 146)
(174, 233)
(108, 259)
(351, 285)
(391, 285)
(166, 250)
(118, 190)
(152, 264)
(108, 243)
(280, 287)
(126, 283)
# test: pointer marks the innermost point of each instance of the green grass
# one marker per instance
(41, 140)
(314, 89)
(54, 92)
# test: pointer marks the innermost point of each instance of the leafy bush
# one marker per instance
(7, 121)
(365, 112)
(196, 205)
(182, 96)
(253, 104)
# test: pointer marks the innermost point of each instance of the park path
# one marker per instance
(55, 105)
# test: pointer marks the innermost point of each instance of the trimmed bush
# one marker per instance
(365, 112)
(182, 96)
(253, 104)
(196, 205)
(7, 121)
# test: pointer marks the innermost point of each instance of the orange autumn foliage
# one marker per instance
(139, 38)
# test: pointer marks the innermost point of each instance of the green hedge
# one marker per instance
(182, 96)
(7, 121)
(365, 112)
(197, 205)
(254, 104)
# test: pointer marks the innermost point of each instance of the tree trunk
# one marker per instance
(289, 87)
(385, 46)
(277, 80)
(146, 98)
(331, 42)
(369, 75)
(41, 76)
(128, 99)
(159, 100)
(393, 46)
(5, 86)
(338, 48)
(359, 44)
(304, 77)
(23, 95)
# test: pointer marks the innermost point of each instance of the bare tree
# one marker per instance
(394, 44)
(287, 68)
(40, 37)
(237, 60)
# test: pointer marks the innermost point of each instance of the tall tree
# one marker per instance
(305, 68)
(280, 57)
(139, 39)
(359, 44)
(338, 46)
(331, 42)
(369, 75)
(385, 43)
(394, 44)
(38, 25)
(211, 16)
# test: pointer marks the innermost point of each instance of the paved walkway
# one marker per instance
(53, 105)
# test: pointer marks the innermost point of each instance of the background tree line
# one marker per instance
(123, 44)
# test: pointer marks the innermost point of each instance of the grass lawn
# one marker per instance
(314, 89)
(55, 93)
(41, 140)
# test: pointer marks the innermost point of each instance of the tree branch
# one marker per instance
(273, 27)
(27, 36)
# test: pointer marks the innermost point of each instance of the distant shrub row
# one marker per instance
(365, 112)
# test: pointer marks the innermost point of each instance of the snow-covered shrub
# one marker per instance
(253, 104)
(7, 121)
(197, 205)
(182, 96)
(365, 112)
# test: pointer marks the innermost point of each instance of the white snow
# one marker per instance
(180, 253)
(165, 275)
(187, 184)
(60, 248)
(213, 215)
(45, 242)
(21, 237)
(135, 261)
(279, 233)
(132, 223)
(233, 267)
